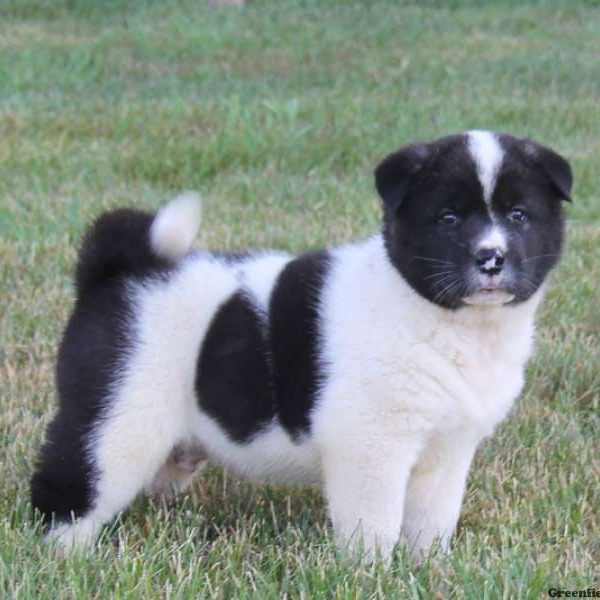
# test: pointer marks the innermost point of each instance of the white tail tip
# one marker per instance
(175, 226)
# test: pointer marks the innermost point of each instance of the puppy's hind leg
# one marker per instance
(126, 449)
(124, 373)
(62, 487)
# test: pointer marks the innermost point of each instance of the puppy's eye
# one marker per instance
(448, 217)
(517, 215)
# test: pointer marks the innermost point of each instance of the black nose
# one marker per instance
(489, 260)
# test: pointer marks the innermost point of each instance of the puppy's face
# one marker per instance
(474, 219)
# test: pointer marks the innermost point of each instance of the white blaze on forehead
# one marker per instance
(487, 154)
(493, 237)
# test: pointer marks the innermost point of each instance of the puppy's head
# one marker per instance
(474, 219)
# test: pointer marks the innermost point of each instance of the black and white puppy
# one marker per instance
(373, 369)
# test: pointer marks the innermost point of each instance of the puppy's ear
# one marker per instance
(394, 173)
(555, 167)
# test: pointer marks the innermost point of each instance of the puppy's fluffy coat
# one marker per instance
(373, 369)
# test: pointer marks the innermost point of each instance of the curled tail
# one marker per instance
(132, 242)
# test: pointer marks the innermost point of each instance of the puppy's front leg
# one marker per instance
(365, 487)
(435, 491)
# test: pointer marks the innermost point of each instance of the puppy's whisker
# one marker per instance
(443, 280)
(450, 290)
(441, 295)
(430, 259)
(530, 258)
(434, 275)
(527, 283)
(459, 294)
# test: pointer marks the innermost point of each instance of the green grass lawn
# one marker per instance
(278, 113)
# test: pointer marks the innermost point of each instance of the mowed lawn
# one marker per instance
(277, 114)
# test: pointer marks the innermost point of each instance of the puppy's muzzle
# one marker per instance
(489, 260)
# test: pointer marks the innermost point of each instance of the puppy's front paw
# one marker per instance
(368, 547)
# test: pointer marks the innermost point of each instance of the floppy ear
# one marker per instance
(395, 172)
(556, 168)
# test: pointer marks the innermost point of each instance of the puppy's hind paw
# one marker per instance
(74, 536)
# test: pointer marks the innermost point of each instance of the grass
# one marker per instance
(278, 113)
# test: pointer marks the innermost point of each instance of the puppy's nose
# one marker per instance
(489, 260)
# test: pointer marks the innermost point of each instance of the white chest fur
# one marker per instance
(396, 353)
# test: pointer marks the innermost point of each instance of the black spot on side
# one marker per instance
(294, 331)
(89, 359)
(233, 373)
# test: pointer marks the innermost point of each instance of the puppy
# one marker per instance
(372, 369)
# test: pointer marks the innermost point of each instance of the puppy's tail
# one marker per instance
(131, 242)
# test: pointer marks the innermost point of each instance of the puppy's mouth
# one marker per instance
(493, 291)
(489, 297)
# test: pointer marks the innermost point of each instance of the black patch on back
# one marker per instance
(295, 331)
(233, 375)
(89, 359)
